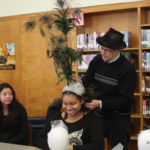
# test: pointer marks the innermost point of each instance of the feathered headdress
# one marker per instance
(56, 27)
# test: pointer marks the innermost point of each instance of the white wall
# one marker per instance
(16, 7)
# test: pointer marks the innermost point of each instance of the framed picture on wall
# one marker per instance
(79, 15)
(7, 56)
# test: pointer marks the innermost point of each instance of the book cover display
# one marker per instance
(79, 15)
(146, 60)
(145, 38)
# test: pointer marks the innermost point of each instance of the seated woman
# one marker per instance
(84, 128)
(13, 117)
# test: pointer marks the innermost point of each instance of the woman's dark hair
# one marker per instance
(78, 97)
(72, 93)
(12, 107)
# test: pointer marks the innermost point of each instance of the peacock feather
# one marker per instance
(55, 27)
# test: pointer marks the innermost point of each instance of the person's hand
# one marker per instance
(93, 104)
(76, 78)
(70, 147)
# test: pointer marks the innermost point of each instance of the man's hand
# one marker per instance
(93, 104)
(70, 147)
(76, 78)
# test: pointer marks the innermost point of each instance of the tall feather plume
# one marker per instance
(55, 27)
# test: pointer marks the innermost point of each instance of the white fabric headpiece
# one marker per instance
(75, 87)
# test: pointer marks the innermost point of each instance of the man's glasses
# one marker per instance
(106, 49)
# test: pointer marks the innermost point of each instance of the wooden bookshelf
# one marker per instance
(132, 17)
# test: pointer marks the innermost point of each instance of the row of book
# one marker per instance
(145, 38)
(127, 38)
(88, 41)
(146, 107)
(146, 60)
(146, 84)
(86, 59)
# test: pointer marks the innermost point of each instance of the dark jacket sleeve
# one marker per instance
(22, 135)
(96, 136)
(41, 140)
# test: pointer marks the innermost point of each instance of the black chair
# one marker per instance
(36, 124)
(30, 133)
(53, 108)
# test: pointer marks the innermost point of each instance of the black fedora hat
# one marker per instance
(113, 39)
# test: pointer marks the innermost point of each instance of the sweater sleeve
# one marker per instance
(41, 140)
(96, 137)
(22, 136)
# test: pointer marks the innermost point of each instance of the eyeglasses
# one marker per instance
(106, 49)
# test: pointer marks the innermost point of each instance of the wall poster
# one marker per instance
(7, 56)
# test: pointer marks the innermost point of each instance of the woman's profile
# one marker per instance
(13, 117)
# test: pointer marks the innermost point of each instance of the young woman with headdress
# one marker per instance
(83, 128)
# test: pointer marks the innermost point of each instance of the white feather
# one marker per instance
(144, 140)
(58, 138)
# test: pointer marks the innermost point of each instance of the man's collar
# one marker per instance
(111, 61)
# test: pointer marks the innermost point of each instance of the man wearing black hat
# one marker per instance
(115, 80)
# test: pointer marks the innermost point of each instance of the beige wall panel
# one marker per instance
(10, 33)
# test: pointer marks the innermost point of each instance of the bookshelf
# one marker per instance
(145, 25)
(133, 17)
